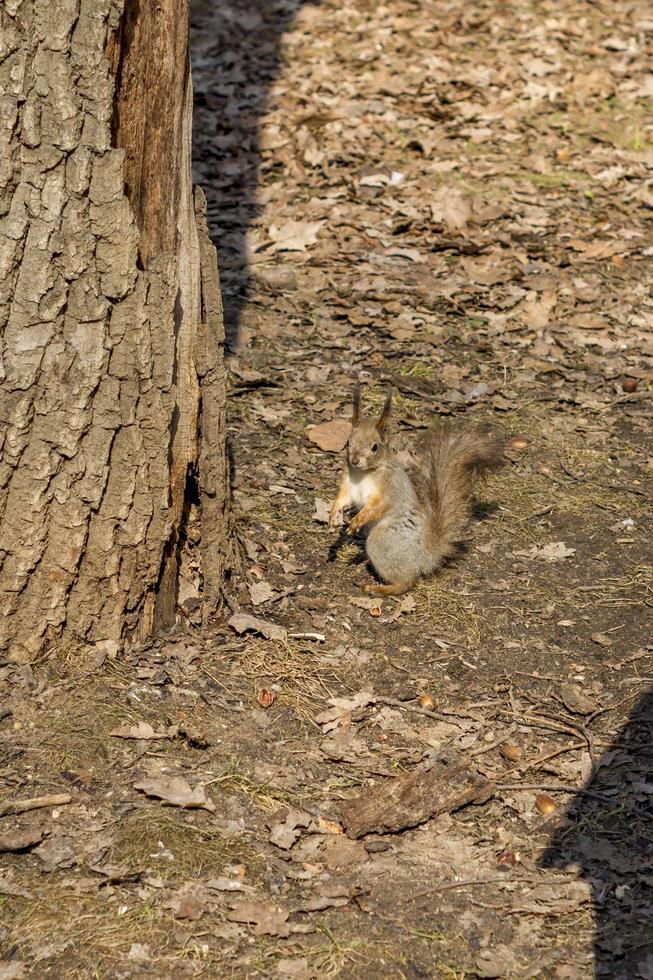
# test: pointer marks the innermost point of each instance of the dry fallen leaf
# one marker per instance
(20, 840)
(406, 605)
(331, 437)
(452, 208)
(242, 623)
(554, 551)
(224, 884)
(560, 898)
(141, 730)
(341, 853)
(284, 832)
(260, 592)
(187, 904)
(536, 309)
(601, 639)
(294, 236)
(57, 852)
(372, 605)
(323, 512)
(295, 968)
(575, 699)
(502, 961)
(267, 919)
(176, 792)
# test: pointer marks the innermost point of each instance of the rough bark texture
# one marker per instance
(110, 349)
(446, 784)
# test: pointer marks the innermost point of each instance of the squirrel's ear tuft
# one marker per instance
(356, 411)
(382, 424)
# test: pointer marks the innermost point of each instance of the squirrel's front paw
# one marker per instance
(355, 525)
(334, 514)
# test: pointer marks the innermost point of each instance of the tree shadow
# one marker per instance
(236, 56)
(608, 839)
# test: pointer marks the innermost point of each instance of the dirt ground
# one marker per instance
(454, 197)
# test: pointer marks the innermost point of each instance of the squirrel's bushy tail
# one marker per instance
(450, 459)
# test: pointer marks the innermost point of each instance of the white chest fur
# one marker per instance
(362, 487)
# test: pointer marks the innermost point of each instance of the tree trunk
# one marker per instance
(112, 354)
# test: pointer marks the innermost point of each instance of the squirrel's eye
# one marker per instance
(375, 446)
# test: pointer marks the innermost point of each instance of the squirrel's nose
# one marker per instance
(354, 459)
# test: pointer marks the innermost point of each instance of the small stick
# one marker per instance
(37, 803)
(466, 883)
(555, 788)
(492, 745)
(396, 703)
(573, 728)
(538, 760)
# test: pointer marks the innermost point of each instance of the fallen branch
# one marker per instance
(444, 784)
(37, 803)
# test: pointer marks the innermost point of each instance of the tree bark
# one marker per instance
(112, 372)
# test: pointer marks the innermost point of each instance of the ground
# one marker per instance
(455, 198)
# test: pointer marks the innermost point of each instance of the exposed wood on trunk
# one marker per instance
(101, 307)
(219, 552)
(445, 784)
(150, 117)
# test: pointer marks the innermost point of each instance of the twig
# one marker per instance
(612, 707)
(37, 803)
(577, 477)
(626, 489)
(555, 788)
(538, 677)
(545, 758)
(466, 883)
(573, 728)
(492, 745)
(215, 699)
(563, 729)
(396, 703)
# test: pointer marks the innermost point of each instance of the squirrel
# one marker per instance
(415, 519)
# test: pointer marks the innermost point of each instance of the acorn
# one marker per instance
(629, 384)
(545, 804)
(511, 752)
(518, 442)
(426, 701)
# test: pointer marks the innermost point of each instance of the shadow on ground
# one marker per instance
(610, 841)
(236, 57)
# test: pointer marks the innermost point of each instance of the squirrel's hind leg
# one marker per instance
(397, 588)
